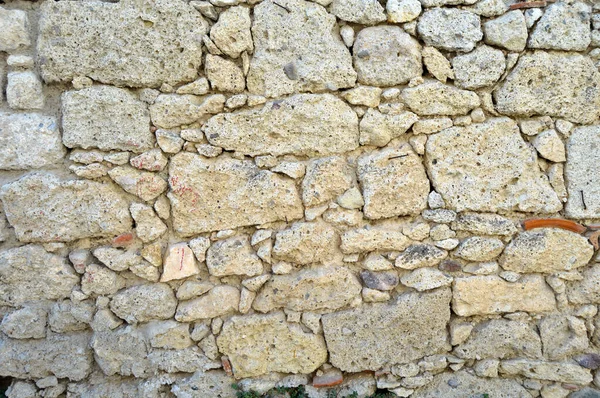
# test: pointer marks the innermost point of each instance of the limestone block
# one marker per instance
(172, 110)
(143, 303)
(477, 248)
(224, 75)
(379, 129)
(305, 243)
(563, 336)
(420, 255)
(233, 256)
(14, 25)
(364, 12)
(437, 64)
(433, 98)
(563, 27)
(231, 33)
(146, 185)
(481, 67)
(425, 278)
(508, 31)
(220, 300)
(586, 290)
(372, 239)
(484, 224)
(204, 384)
(25, 323)
(325, 179)
(24, 91)
(583, 182)
(463, 384)
(179, 263)
(450, 29)
(564, 372)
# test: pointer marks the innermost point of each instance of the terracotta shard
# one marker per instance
(553, 223)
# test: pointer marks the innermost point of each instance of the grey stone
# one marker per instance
(508, 31)
(583, 183)
(480, 68)
(563, 336)
(563, 27)
(121, 351)
(233, 256)
(213, 384)
(143, 303)
(477, 248)
(484, 224)
(387, 280)
(24, 91)
(25, 323)
(463, 384)
(224, 75)
(15, 29)
(71, 316)
(450, 29)
(305, 243)
(564, 372)
(420, 255)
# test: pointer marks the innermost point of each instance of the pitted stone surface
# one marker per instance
(463, 384)
(144, 302)
(233, 256)
(14, 24)
(563, 27)
(306, 243)
(450, 29)
(433, 98)
(583, 180)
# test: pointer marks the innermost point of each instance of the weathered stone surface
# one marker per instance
(233, 256)
(270, 345)
(71, 316)
(414, 326)
(530, 293)
(323, 288)
(563, 336)
(583, 182)
(241, 194)
(379, 129)
(215, 384)
(29, 273)
(304, 124)
(146, 185)
(72, 32)
(468, 166)
(563, 27)
(220, 300)
(386, 56)
(325, 179)
(371, 239)
(546, 250)
(450, 29)
(508, 31)
(587, 290)
(107, 118)
(393, 182)
(425, 278)
(562, 85)
(172, 110)
(293, 53)
(231, 33)
(121, 351)
(550, 146)
(364, 12)
(168, 334)
(100, 281)
(143, 303)
(305, 243)
(420, 255)
(29, 141)
(14, 25)
(480, 68)
(501, 338)
(477, 248)
(463, 384)
(483, 224)
(24, 91)
(148, 226)
(437, 64)
(433, 98)
(400, 11)
(25, 323)
(224, 75)
(564, 372)
(65, 356)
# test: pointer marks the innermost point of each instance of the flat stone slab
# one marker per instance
(583, 172)
(463, 384)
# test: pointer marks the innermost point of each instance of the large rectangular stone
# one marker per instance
(583, 172)
(215, 194)
(373, 336)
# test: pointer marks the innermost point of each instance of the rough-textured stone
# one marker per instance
(71, 33)
(563, 27)
(172, 110)
(325, 179)
(233, 256)
(450, 29)
(393, 182)
(179, 263)
(24, 91)
(437, 64)
(379, 129)
(122, 351)
(508, 31)
(563, 336)
(231, 33)
(220, 300)
(400, 11)
(425, 278)
(586, 290)
(224, 75)
(553, 84)
(468, 166)
(433, 98)
(550, 146)
(463, 384)
(583, 182)
(484, 224)
(29, 141)
(414, 326)
(215, 384)
(71, 316)
(420, 255)
(25, 323)
(14, 25)
(530, 293)
(101, 281)
(270, 345)
(371, 239)
(146, 185)
(480, 68)
(304, 124)
(296, 53)
(477, 248)
(305, 243)
(546, 250)
(364, 12)
(386, 56)
(564, 372)
(241, 194)
(323, 288)
(144, 302)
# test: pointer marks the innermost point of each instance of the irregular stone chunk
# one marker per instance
(71, 316)
(550, 146)
(115, 259)
(484, 224)
(583, 182)
(304, 124)
(148, 225)
(187, 360)
(294, 52)
(393, 182)
(323, 288)
(364, 12)
(147, 186)
(71, 34)
(386, 56)
(179, 263)
(463, 384)
(29, 141)
(437, 64)
(379, 280)
(270, 345)
(564, 372)
(554, 84)
(530, 293)
(501, 338)
(379, 129)
(204, 384)
(469, 167)
(563, 27)
(172, 110)
(371, 239)
(433, 98)
(480, 68)
(420, 255)
(25, 323)
(24, 91)
(306, 243)
(100, 281)
(122, 351)
(14, 25)
(241, 194)
(233, 256)
(477, 248)
(231, 33)
(325, 179)
(400, 11)
(168, 334)
(450, 29)
(414, 325)
(107, 118)
(587, 290)
(42, 208)
(508, 31)
(563, 336)
(224, 75)
(220, 300)
(143, 303)
(425, 279)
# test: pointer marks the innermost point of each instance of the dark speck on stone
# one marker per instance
(589, 361)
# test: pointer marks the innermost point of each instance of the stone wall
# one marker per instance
(345, 195)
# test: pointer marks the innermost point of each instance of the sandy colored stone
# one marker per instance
(364, 12)
(425, 278)
(71, 33)
(371, 239)
(168, 334)
(305, 243)
(204, 384)
(113, 258)
(586, 290)
(143, 303)
(564, 85)
(270, 345)
(483, 224)
(379, 129)
(546, 250)
(172, 110)
(224, 75)
(450, 29)
(295, 53)
(386, 56)
(322, 288)
(399, 11)
(24, 91)
(420, 255)
(363, 95)
(469, 167)
(433, 98)
(563, 336)
(241, 194)
(43, 208)
(463, 384)
(100, 281)
(148, 225)
(325, 179)
(179, 263)
(583, 183)
(508, 31)
(304, 124)
(231, 33)
(564, 372)
(563, 27)
(393, 182)
(478, 248)
(550, 146)
(481, 67)
(233, 256)
(146, 185)
(414, 325)
(530, 293)
(220, 300)
(437, 64)
(25, 323)
(14, 25)
(29, 141)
